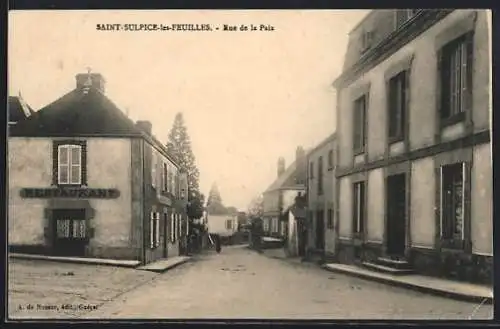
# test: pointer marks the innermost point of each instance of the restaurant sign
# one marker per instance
(73, 192)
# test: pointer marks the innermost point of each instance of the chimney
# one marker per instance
(281, 166)
(301, 166)
(90, 80)
(145, 126)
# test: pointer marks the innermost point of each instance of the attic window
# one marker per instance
(366, 40)
(405, 15)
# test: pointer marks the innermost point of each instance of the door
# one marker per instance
(165, 234)
(70, 232)
(320, 230)
(396, 215)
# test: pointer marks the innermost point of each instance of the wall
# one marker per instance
(423, 95)
(271, 201)
(108, 166)
(422, 214)
(217, 224)
(345, 210)
(482, 201)
(375, 216)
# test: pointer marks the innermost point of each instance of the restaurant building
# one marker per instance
(85, 180)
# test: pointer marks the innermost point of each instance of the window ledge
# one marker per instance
(395, 139)
(358, 152)
(459, 117)
(453, 245)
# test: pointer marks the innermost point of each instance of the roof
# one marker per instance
(328, 139)
(285, 179)
(77, 113)
(82, 114)
(18, 109)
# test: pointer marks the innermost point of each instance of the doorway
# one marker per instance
(396, 215)
(70, 232)
(320, 230)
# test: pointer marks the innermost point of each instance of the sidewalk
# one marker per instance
(426, 284)
(78, 260)
(163, 265)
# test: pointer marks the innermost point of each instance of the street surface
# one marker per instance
(239, 283)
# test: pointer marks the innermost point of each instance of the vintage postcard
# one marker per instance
(250, 164)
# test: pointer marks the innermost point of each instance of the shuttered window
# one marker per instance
(359, 124)
(69, 164)
(456, 78)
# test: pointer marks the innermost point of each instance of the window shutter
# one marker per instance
(438, 172)
(55, 163)
(157, 231)
(90, 232)
(151, 229)
(153, 169)
(469, 69)
(439, 93)
(84, 164)
(406, 111)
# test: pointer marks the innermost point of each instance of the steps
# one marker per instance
(390, 265)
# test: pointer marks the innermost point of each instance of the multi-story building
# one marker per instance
(321, 198)
(85, 180)
(414, 146)
(282, 192)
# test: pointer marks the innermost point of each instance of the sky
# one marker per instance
(248, 97)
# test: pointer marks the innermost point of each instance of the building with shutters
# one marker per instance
(414, 154)
(321, 199)
(85, 180)
(280, 195)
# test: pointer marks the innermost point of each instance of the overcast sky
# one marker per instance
(247, 97)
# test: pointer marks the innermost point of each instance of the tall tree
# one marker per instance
(179, 146)
(214, 202)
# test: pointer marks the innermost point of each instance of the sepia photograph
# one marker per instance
(249, 165)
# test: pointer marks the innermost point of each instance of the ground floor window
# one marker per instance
(266, 224)
(154, 229)
(358, 218)
(452, 201)
(329, 219)
(229, 224)
(71, 228)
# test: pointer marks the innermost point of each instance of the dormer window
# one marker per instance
(366, 40)
(405, 15)
(69, 163)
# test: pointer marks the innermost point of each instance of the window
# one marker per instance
(320, 175)
(165, 177)
(229, 224)
(452, 202)
(330, 159)
(311, 170)
(366, 40)
(358, 219)
(69, 164)
(329, 219)
(456, 78)
(154, 229)
(79, 228)
(359, 124)
(172, 228)
(404, 15)
(398, 93)
(63, 228)
(169, 179)
(154, 160)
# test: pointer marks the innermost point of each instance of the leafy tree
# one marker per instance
(214, 202)
(179, 146)
(256, 207)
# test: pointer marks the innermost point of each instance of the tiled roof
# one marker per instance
(78, 113)
(285, 179)
(18, 109)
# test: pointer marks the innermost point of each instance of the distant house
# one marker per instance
(85, 180)
(414, 144)
(18, 110)
(280, 195)
(321, 185)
